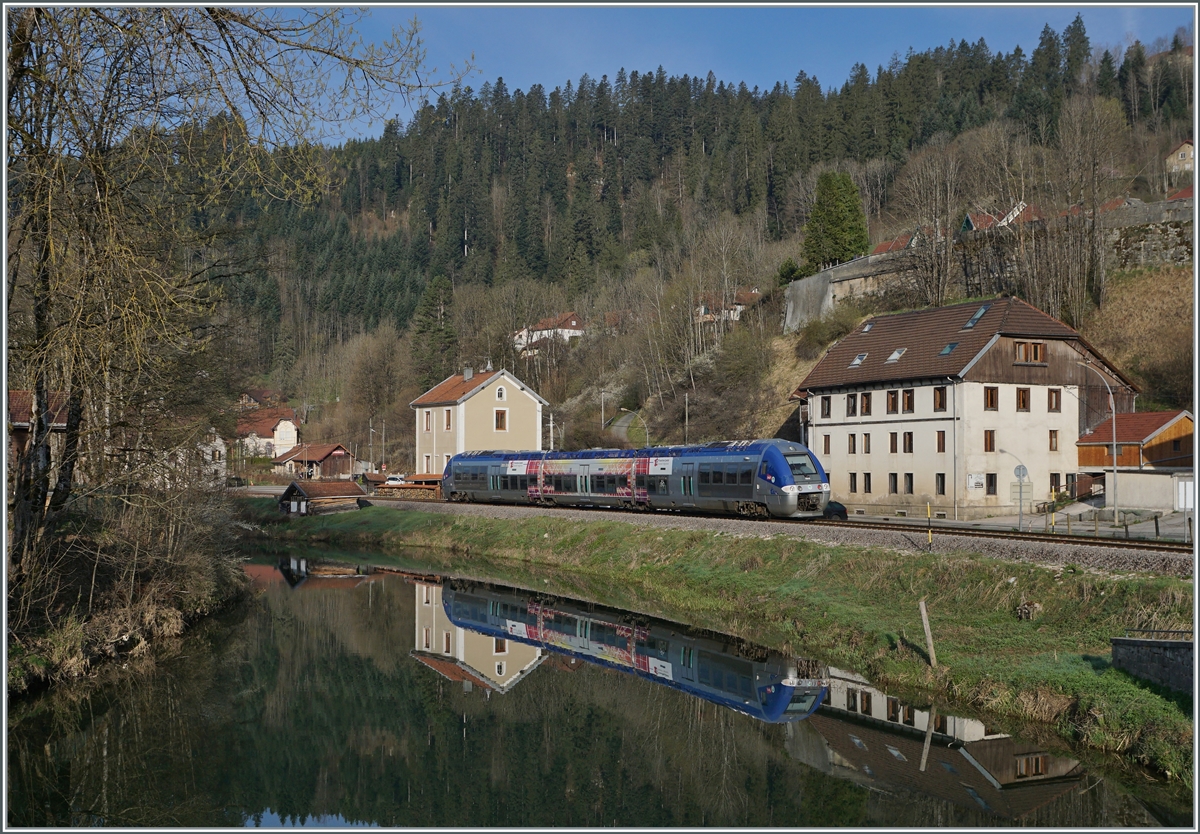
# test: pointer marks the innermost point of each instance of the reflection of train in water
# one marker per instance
(745, 477)
(750, 679)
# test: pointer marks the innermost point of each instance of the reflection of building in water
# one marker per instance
(868, 737)
(459, 654)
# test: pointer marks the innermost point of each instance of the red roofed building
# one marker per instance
(1183, 194)
(1155, 457)
(896, 245)
(475, 411)
(315, 460)
(266, 431)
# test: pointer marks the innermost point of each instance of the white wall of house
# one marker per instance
(1145, 490)
(907, 480)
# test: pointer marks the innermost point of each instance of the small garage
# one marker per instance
(313, 497)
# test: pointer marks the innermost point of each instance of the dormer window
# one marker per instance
(500, 393)
(896, 354)
(978, 315)
(948, 349)
(858, 360)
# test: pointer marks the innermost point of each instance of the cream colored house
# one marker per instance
(461, 654)
(937, 408)
(490, 410)
(1182, 158)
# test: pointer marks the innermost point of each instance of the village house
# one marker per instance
(1155, 452)
(259, 398)
(20, 426)
(714, 307)
(459, 654)
(564, 327)
(938, 407)
(264, 432)
(1181, 159)
(315, 460)
(466, 412)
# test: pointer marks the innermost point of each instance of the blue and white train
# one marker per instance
(754, 478)
(753, 680)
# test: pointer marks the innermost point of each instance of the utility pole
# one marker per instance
(371, 442)
(551, 431)
(685, 417)
(384, 444)
(1112, 406)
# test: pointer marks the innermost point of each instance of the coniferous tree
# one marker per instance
(435, 341)
(837, 228)
(1106, 77)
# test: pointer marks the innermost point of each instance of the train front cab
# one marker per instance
(795, 482)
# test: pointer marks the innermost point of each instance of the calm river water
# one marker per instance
(333, 701)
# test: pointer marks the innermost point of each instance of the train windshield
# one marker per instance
(802, 704)
(802, 466)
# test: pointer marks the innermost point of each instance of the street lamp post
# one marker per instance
(645, 428)
(1112, 406)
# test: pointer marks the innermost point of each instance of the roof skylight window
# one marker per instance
(978, 315)
(868, 326)
(948, 349)
(858, 360)
(896, 354)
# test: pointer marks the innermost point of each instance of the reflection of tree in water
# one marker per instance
(307, 704)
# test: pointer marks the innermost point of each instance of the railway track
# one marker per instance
(1154, 545)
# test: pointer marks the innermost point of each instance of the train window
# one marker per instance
(623, 482)
(718, 476)
(610, 484)
(747, 690)
(731, 473)
(572, 483)
(718, 679)
(747, 476)
(705, 474)
(639, 482)
(662, 486)
(524, 483)
(801, 465)
(705, 671)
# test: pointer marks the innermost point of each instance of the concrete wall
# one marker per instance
(1143, 490)
(1167, 663)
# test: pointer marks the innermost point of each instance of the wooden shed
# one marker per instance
(312, 497)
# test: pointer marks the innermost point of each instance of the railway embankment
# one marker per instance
(817, 592)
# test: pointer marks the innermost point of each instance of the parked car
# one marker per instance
(394, 479)
(836, 510)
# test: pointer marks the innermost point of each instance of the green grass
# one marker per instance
(853, 607)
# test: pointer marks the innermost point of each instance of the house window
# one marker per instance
(893, 710)
(445, 642)
(866, 405)
(428, 595)
(854, 482)
(826, 447)
(990, 483)
(1054, 400)
(948, 349)
(894, 437)
(447, 425)
(501, 419)
(1022, 399)
(852, 405)
(500, 393)
(908, 483)
(896, 354)
(826, 406)
(427, 464)
(893, 402)
(501, 646)
(1055, 482)
(445, 461)
(939, 398)
(858, 360)
(851, 700)
(909, 399)
(893, 483)
(941, 444)
(908, 442)
(939, 483)
(427, 641)
(991, 398)
(867, 444)
(989, 440)
(867, 483)
(1028, 766)
(428, 420)
(500, 670)
(1022, 351)
(1036, 352)
(864, 702)
(850, 443)
(1053, 440)
(1176, 445)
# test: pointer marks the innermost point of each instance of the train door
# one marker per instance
(687, 664)
(584, 485)
(581, 633)
(687, 486)
(494, 481)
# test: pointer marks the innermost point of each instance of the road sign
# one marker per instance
(1020, 472)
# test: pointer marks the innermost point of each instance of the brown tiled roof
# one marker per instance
(20, 404)
(455, 389)
(326, 489)
(309, 452)
(893, 245)
(570, 320)
(450, 670)
(262, 421)
(1132, 428)
(1183, 193)
(924, 334)
(980, 221)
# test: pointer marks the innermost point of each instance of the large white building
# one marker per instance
(939, 407)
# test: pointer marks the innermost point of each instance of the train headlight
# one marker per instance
(824, 487)
(790, 489)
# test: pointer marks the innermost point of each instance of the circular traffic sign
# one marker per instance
(1020, 472)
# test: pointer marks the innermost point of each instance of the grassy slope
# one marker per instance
(849, 606)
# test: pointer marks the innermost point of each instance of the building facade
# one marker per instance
(470, 412)
(934, 411)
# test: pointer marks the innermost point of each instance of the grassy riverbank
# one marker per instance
(853, 607)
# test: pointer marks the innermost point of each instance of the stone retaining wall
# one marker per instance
(1168, 663)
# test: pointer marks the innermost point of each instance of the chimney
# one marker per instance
(467, 374)
(489, 366)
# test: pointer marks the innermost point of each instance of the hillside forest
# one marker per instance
(634, 200)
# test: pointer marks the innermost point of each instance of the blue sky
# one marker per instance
(760, 45)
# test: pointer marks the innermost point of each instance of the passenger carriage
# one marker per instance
(755, 478)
